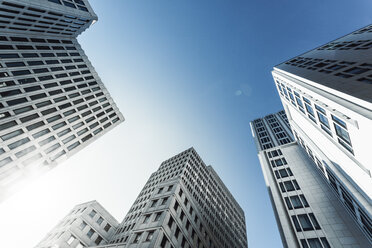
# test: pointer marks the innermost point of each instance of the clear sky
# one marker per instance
(183, 73)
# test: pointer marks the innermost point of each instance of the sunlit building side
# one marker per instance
(52, 102)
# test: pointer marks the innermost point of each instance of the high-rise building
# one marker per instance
(183, 204)
(86, 225)
(308, 212)
(52, 102)
(327, 96)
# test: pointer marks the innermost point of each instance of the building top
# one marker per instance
(342, 67)
(271, 131)
(46, 17)
(97, 206)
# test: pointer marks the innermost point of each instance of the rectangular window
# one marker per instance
(137, 238)
(90, 233)
(157, 216)
(170, 222)
(107, 227)
(150, 235)
(153, 204)
(323, 119)
(342, 133)
(146, 219)
(288, 202)
(305, 222)
(339, 121)
(98, 240)
(304, 201)
(289, 186)
(296, 223)
(71, 239)
(92, 213)
(296, 202)
(100, 220)
(82, 225)
(283, 173)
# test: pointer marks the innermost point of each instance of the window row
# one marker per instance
(18, 17)
(317, 113)
(305, 222)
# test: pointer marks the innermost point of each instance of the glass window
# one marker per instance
(70, 240)
(323, 119)
(339, 121)
(314, 243)
(304, 201)
(100, 220)
(146, 219)
(342, 133)
(154, 203)
(296, 224)
(98, 240)
(83, 225)
(92, 213)
(304, 243)
(289, 186)
(288, 202)
(305, 222)
(297, 187)
(157, 216)
(282, 187)
(150, 235)
(296, 201)
(311, 113)
(137, 238)
(107, 227)
(325, 242)
(90, 233)
(277, 174)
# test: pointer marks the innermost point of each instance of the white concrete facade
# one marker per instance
(307, 210)
(327, 96)
(52, 101)
(88, 224)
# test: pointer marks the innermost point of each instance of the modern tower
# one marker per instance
(183, 204)
(87, 224)
(52, 102)
(327, 96)
(308, 212)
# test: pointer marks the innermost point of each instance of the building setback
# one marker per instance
(52, 102)
(327, 96)
(183, 204)
(86, 225)
(308, 212)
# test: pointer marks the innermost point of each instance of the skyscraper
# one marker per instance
(87, 224)
(308, 212)
(327, 96)
(183, 204)
(52, 102)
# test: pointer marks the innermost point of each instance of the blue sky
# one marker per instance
(183, 73)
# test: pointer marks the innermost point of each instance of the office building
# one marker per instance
(308, 212)
(52, 102)
(87, 224)
(183, 204)
(327, 96)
